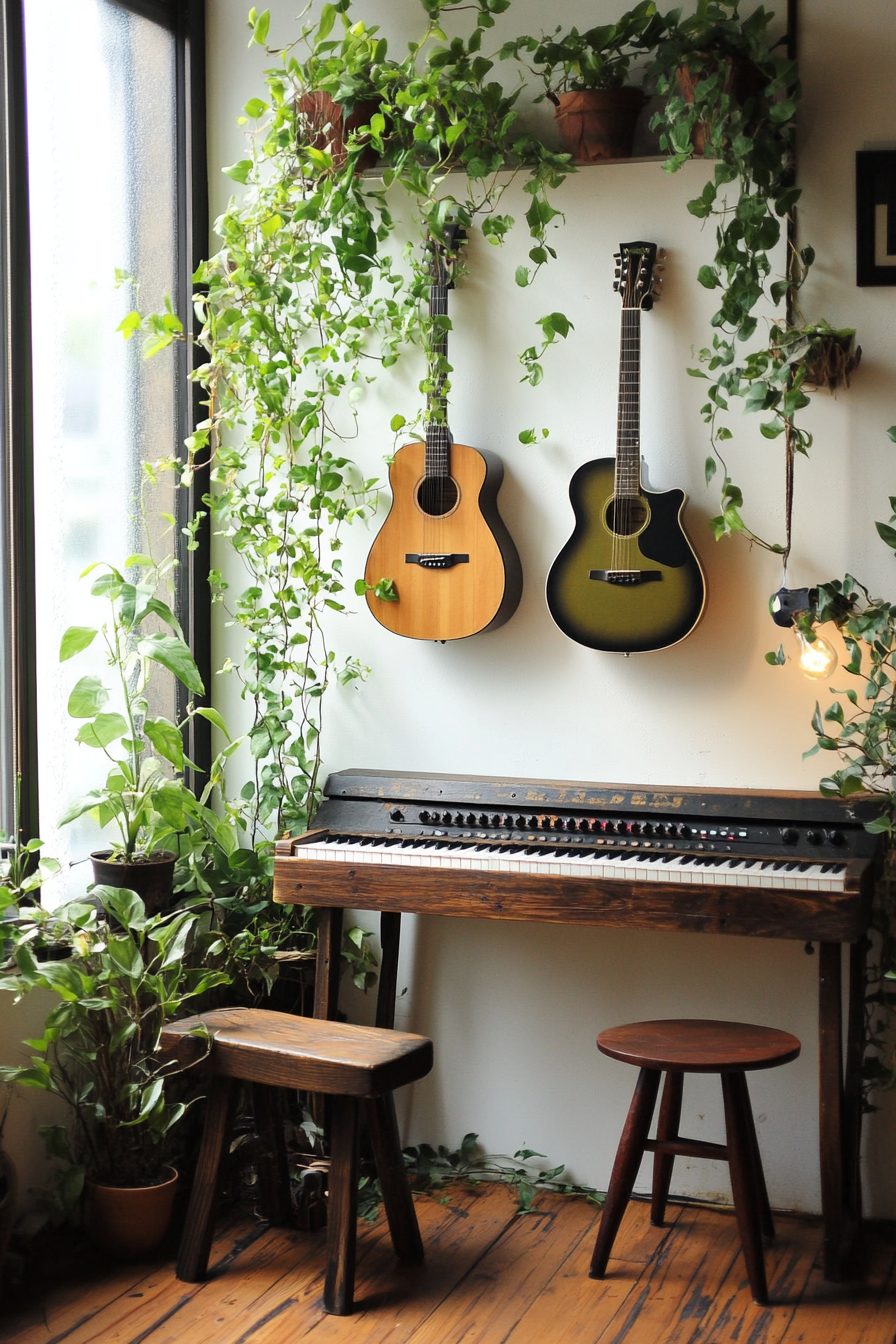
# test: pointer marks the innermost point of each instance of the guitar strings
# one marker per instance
(627, 482)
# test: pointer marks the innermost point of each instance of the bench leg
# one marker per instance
(625, 1168)
(667, 1128)
(765, 1209)
(342, 1209)
(196, 1242)
(390, 1168)
(744, 1184)
(273, 1166)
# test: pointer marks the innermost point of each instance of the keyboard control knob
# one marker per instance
(396, 814)
(684, 830)
(446, 818)
(558, 823)
(546, 823)
(471, 819)
(532, 823)
(621, 827)
(424, 817)
(521, 823)
(634, 828)
(790, 835)
(483, 819)
(814, 837)
(835, 837)
(459, 819)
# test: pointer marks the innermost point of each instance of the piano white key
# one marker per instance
(633, 866)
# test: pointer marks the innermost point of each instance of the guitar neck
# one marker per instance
(628, 427)
(438, 437)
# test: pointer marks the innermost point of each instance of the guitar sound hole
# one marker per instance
(437, 495)
(626, 515)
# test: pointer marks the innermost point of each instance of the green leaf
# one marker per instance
(125, 905)
(710, 467)
(327, 19)
(239, 171)
(104, 729)
(887, 534)
(173, 653)
(260, 29)
(76, 638)
(396, 423)
(255, 108)
(87, 698)
(708, 278)
(125, 954)
(215, 718)
(166, 739)
(521, 275)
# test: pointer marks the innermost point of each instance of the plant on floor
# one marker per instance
(430, 1169)
(129, 974)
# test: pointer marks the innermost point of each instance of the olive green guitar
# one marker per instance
(627, 581)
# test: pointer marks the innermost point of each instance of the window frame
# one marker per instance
(186, 20)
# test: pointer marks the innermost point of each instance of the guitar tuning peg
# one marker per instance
(617, 271)
(617, 256)
(615, 286)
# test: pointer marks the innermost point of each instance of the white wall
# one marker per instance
(514, 1008)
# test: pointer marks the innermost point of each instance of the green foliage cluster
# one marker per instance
(305, 303)
(598, 58)
(430, 1169)
(129, 974)
(144, 795)
(863, 733)
(726, 82)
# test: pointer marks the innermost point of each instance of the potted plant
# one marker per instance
(129, 974)
(714, 62)
(585, 78)
(144, 797)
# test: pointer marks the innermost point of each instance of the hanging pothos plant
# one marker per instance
(732, 96)
(311, 295)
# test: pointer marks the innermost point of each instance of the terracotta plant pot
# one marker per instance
(152, 879)
(8, 1191)
(130, 1222)
(597, 124)
(743, 80)
(326, 127)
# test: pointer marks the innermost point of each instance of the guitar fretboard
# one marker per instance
(628, 427)
(438, 435)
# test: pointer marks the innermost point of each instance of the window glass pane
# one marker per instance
(101, 138)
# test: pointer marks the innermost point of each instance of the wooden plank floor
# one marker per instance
(489, 1277)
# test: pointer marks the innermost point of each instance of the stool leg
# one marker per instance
(743, 1182)
(273, 1166)
(765, 1209)
(196, 1242)
(667, 1128)
(625, 1168)
(397, 1195)
(342, 1208)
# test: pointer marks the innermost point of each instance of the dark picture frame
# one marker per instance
(876, 217)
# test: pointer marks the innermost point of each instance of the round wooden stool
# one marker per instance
(676, 1047)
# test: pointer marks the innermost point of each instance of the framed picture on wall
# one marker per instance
(876, 217)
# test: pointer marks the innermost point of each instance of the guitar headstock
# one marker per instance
(636, 274)
(444, 252)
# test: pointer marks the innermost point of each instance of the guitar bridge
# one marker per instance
(626, 576)
(437, 561)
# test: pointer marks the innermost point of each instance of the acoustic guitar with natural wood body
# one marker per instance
(628, 580)
(453, 565)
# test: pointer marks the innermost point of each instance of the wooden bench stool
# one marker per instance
(349, 1065)
(677, 1047)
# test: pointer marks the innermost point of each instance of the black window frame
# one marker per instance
(186, 20)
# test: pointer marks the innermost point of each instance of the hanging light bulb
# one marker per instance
(816, 658)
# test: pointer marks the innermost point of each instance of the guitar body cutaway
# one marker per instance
(456, 573)
(631, 593)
